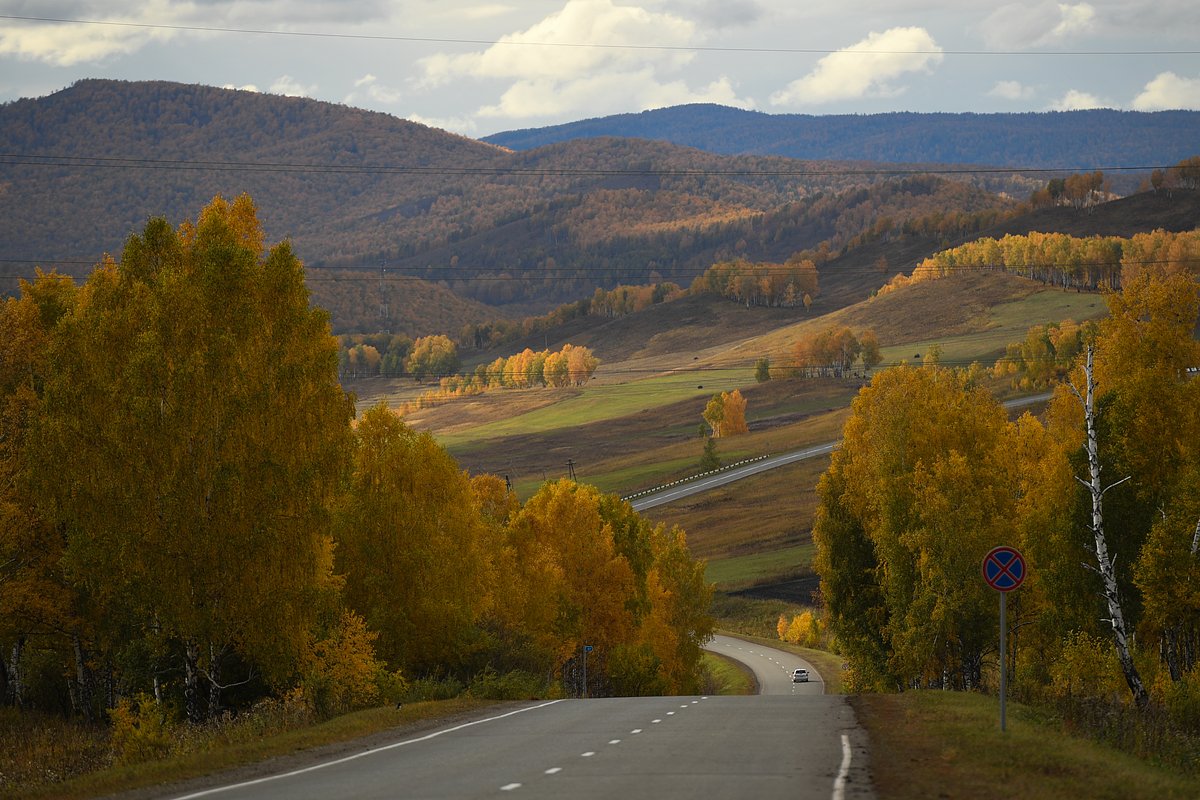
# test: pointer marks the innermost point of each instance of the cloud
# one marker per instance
(67, 44)
(288, 86)
(1075, 100)
(557, 48)
(1011, 90)
(1169, 91)
(1020, 27)
(248, 87)
(723, 14)
(604, 94)
(463, 125)
(368, 88)
(64, 44)
(864, 69)
(552, 72)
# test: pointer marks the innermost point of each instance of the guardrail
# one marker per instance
(691, 478)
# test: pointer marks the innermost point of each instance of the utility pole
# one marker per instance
(571, 468)
(383, 306)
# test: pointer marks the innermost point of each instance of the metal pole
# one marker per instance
(1003, 649)
(585, 671)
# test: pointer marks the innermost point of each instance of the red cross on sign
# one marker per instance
(1004, 569)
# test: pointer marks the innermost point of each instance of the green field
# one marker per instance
(744, 570)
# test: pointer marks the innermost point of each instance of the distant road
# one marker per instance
(772, 668)
(674, 493)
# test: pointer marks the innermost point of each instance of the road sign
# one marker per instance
(1004, 569)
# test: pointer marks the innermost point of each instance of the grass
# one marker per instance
(949, 744)
(725, 676)
(221, 757)
(606, 402)
(747, 569)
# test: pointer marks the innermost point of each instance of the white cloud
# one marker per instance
(64, 44)
(288, 86)
(1020, 27)
(1011, 90)
(1169, 91)
(557, 48)
(553, 73)
(248, 87)
(369, 89)
(463, 125)
(605, 93)
(1075, 100)
(864, 69)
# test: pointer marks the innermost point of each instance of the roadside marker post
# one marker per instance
(1003, 570)
(587, 648)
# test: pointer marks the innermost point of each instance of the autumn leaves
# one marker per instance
(931, 474)
(187, 509)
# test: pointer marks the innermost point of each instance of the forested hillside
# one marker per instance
(352, 188)
(1063, 139)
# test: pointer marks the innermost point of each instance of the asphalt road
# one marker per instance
(772, 668)
(728, 476)
(777, 745)
(674, 493)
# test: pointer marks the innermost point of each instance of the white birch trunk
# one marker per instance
(1104, 563)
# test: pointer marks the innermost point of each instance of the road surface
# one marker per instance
(673, 493)
(778, 744)
(772, 668)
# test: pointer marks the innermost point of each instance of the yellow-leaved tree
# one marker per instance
(412, 546)
(192, 439)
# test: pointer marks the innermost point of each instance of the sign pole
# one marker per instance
(1003, 654)
(1004, 571)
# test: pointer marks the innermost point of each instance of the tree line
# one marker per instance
(931, 475)
(190, 513)
(1090, 263)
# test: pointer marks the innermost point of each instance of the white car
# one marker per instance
(800, 676)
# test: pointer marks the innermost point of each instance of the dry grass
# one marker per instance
(949, 744)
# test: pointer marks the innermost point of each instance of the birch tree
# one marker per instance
(194, 436)
(1104, 564)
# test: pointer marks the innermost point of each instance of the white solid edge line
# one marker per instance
(839, 785)
(372, 751)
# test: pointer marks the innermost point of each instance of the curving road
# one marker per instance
(729, 476)
(772, 668)
(774, 745)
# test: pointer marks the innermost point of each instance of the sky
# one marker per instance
(477, 67)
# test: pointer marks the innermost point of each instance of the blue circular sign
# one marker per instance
(1004, 569)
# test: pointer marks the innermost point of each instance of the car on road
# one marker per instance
(800, 676)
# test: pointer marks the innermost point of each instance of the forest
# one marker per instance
(192, 521)
(1045, 139)
(396, 219)
(1100, 495)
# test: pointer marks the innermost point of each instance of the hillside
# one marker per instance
(1058, 139)
(88, 165)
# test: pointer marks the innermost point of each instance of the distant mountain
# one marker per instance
(354, 189)
(1073, 140)
(408, 228)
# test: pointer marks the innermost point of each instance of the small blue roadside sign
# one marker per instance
(1004, 569)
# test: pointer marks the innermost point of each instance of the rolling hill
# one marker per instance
(1057, 139)
(86, 166)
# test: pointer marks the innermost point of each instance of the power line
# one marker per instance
(366, 273)
(585, 45)
(125, 162)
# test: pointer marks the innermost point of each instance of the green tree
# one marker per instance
(762, 370)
